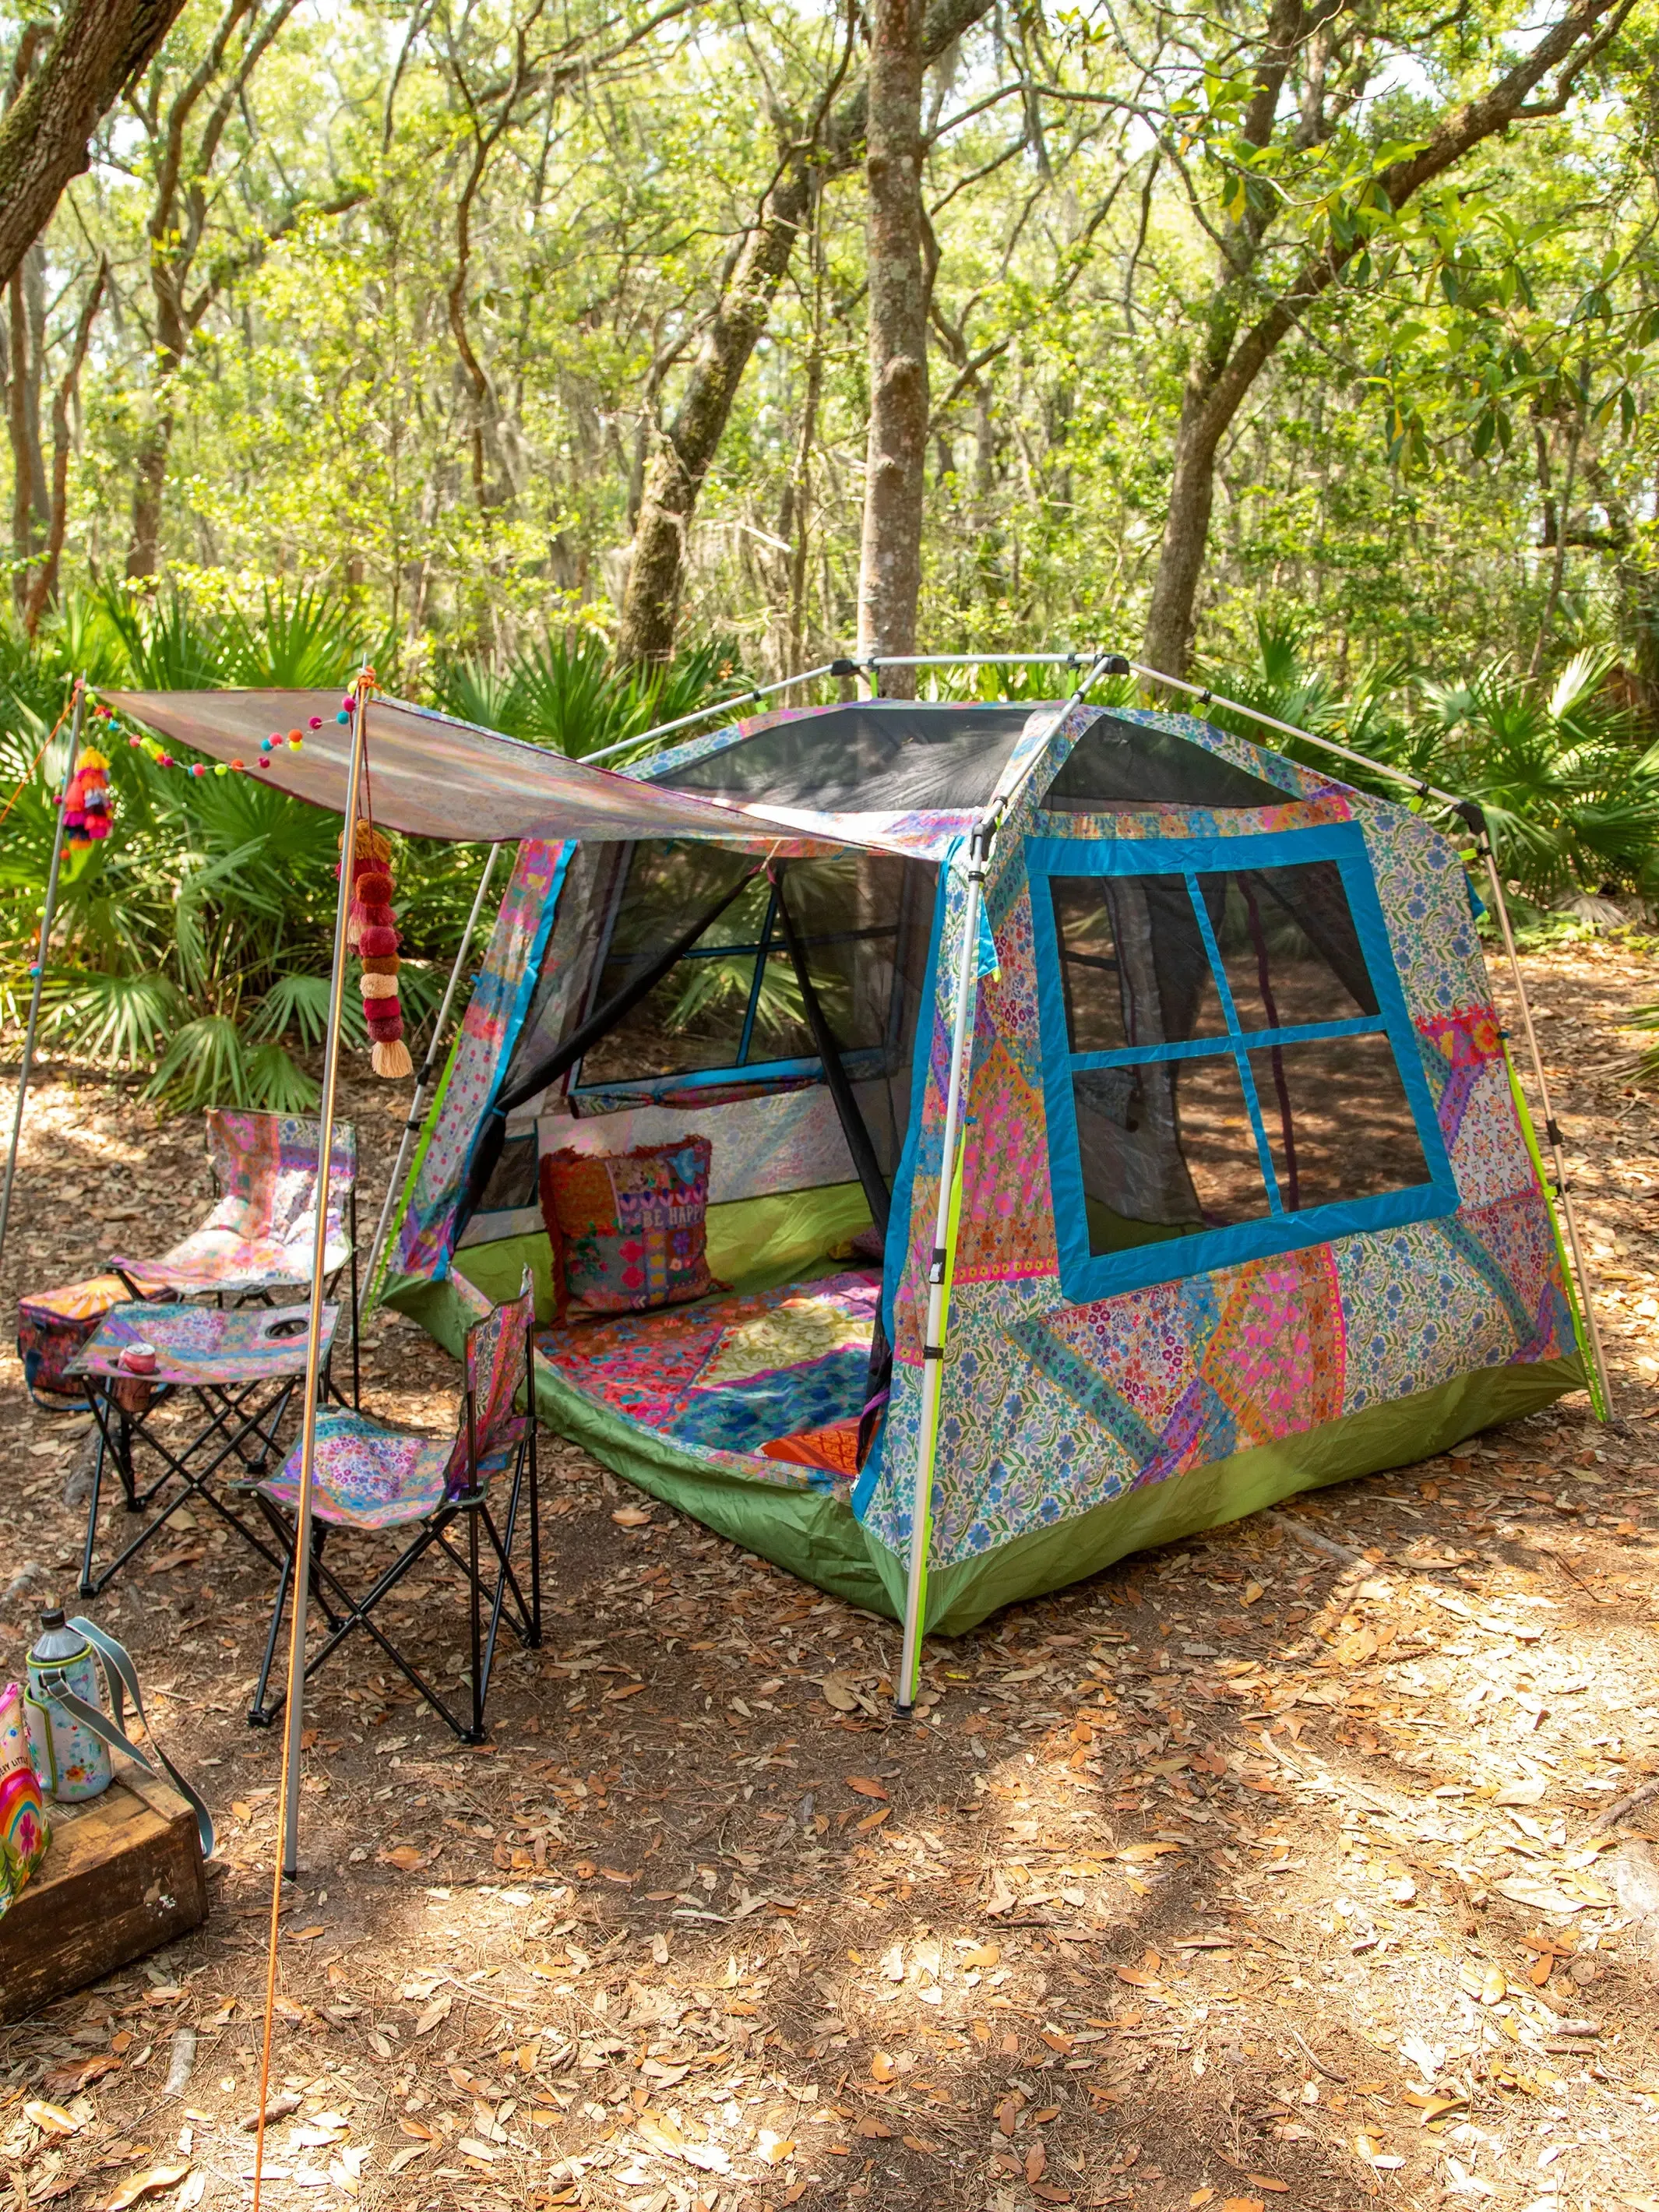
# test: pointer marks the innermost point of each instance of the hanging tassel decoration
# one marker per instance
(85, 803)
(373, 934)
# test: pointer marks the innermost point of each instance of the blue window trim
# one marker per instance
(1085, 1276)
(863, 1065)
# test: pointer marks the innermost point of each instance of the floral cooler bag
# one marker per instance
(24, 1833)
(53, 1325)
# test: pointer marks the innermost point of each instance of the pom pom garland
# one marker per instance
(85, 802)
(111, 730)
(373, 933)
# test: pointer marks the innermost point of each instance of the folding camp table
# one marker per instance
(241, 1367)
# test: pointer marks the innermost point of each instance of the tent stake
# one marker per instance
(418, 1098)
(39, 978)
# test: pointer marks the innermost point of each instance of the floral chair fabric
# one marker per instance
(371, 1475)
(259, 1235)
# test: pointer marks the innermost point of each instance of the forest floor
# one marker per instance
(1242, 1875)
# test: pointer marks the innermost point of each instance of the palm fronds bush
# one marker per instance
(192, 946)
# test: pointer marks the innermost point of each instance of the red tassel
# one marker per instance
(376, 939)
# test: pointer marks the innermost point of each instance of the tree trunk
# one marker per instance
(890, 557)
(148, 488)
(26, 336)
(674, 477)
(677, 469)
(1186, 532)
(150, 472)
(44, 585)
(98, 46)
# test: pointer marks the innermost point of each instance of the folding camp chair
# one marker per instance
(370, 1476)
(258, 1240)
(240, 1369)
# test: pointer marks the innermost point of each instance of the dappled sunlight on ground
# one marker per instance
(1248, 1872)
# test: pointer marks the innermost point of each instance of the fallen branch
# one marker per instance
(1622, 1807)
(1311, 1541)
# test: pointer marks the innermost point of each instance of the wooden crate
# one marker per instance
(124, 1875)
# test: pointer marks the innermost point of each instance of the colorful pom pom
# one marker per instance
(391, 1058)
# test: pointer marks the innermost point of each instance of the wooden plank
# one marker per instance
(124, 1875)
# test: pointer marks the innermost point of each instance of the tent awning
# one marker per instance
(431, 776)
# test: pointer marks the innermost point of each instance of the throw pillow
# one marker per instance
(628, 1232)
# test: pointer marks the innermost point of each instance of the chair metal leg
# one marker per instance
(535, 1637)
(94, 1397)
(473, 1593)
(535, 1545)
(258, 1714)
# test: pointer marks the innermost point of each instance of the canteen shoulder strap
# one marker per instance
(109, 1728)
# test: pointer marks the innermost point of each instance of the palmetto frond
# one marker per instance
(113, 1016)
(206, 1064)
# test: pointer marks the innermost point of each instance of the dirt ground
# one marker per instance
(1246, 1873)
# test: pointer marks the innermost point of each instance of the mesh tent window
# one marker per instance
(1121, 765)
(706, 1036)
(731, 1011)
(874, 755)
(1229, 1067)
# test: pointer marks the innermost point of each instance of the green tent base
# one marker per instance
(814, 1536)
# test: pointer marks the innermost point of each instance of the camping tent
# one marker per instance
(1246, 1199)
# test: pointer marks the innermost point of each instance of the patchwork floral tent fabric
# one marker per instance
(1245, 1202)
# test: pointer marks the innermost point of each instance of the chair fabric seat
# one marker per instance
(219, 1259)
(199, 1347)
(369, 1476)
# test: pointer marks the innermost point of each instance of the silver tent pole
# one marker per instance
(37, 984)
(1553, 1135)
(933, 1342)
(843, 668)
(939, 1265)
(977, 660)
(720, 706)
(1205, 697)
(418, 1097)
(294, 1716)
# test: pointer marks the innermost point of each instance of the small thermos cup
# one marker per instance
(71, 1761)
